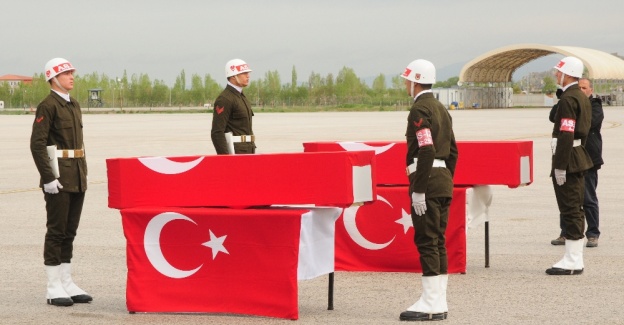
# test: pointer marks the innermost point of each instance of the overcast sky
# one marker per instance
(161, 38)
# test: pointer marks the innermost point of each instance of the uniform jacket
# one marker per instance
(58, 122)
(594, 138)
(572, 106)
(232, 113)
(428, 112)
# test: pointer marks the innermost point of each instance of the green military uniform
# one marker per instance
(58, 122)
(232, 113)
(437, 183)
(572, 122)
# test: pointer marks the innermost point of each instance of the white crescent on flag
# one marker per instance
(152, 245)
(349, 216)
(163, 165)
(359, 146)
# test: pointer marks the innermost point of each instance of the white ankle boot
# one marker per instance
(572, 261)
(429, 306)
(443, 286)
(77, 295)
(55, 294)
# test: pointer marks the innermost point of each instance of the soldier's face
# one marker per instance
(408, 87)
(66, 79)
(241, 80)
(558, 75)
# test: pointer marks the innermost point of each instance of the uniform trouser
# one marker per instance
(241, 148)
(590, 205)
(63, 210)
(570, 201)
(430, 239)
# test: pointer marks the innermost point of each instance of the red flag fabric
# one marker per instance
(224, 260)
(322, 179)
(380, 236)
(507, 163)
(389, 157)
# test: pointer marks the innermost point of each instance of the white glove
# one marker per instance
(560, 176)
(419, 203)
(52, 187)
(553, 145)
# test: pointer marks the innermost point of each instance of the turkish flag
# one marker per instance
(479, 162)
(380, 236)
(224, 260)
(319, 178)
(389, 157)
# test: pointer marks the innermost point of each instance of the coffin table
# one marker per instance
(220, 260)
(380, 236)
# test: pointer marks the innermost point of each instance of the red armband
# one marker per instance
(424, 137)
(567, 125)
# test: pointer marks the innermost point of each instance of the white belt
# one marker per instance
(70, 153)
(436, 163)
(243, 138)
(576, 143)
(553, 144)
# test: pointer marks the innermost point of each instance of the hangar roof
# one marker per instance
(499, 65)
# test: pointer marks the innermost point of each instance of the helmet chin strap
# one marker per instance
(412, 90)
(58, 84)
(237, 81)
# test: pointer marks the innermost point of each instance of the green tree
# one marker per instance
(293, 78)
(160, 93)
(379, 84)
(449, 83)
(144, 91)
(271, 86)
(196, 94)
(211, 89)
(178, 91)
(349, 88)
(549, 85)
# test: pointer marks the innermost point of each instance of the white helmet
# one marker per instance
(571, 66)
(420, 71)
(235, 67)
(57, 66)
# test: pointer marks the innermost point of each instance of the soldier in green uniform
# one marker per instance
(570, 161)
(431, 159)
(232, 117)
(56, 144)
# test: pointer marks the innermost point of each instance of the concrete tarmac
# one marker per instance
(513, 290)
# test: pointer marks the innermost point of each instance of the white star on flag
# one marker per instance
(216, 244)
(406, 220)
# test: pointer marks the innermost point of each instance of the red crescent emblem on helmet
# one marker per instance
(417, 76)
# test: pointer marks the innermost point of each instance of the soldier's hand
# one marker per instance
(52, 187)
(419, 203)
(560, 176)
